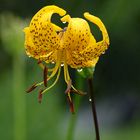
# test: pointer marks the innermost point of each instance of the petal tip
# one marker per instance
(66, 18)
(60, 11)
(86, 13)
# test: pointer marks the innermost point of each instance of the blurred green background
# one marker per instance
(116, 79)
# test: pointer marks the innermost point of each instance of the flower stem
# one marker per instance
(92, 101)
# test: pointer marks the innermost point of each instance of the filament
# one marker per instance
(54, 81)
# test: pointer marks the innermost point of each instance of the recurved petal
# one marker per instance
(47, 9)
(45, 14)
(96, 49)
(89, 55)
(77, 34)
(41, 37)
(100, 24)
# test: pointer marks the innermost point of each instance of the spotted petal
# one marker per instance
(75, 39)
(41, 39)
(100, 47)
(77, 34)
(88, 54)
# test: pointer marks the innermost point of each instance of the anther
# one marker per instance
(78, 92)
(40, 95)
(31, 88)
(68, 86)
(72, 110)
(39, 61)
(40, 64)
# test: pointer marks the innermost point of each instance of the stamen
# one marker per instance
(54, 81)
(39, 84)
(55, 69)
(40, 96)
(78, 92)
(31, 88)
(66, 73)
(68, 86)
(40, 64)
(45, 76)
(72, 110)
(39, 61)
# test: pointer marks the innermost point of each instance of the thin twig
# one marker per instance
(91, 99)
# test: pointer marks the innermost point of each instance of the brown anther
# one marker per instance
(41, 64)
(78, 92)
(68, 87)
(39, 61)
(45, 76)
(72, 110)
(31, 88)
(40, 96)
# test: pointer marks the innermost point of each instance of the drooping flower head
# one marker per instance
(73, 46)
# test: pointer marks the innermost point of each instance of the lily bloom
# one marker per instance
(73, 46)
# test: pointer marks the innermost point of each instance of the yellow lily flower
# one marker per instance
(73, 46)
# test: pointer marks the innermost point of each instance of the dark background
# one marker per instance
(116, 79)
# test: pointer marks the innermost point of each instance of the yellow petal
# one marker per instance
(83, 54)
(100, 24)
(77, 34)
(93, 50)
(75, 40)
(41, 37)
(28, 43)
(96, 49)
(66, 18)
(88, 57)
(47, 9)
(80, 60)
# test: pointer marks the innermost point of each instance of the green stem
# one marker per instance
(92, 101)
(73, 118)
(19, 97)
